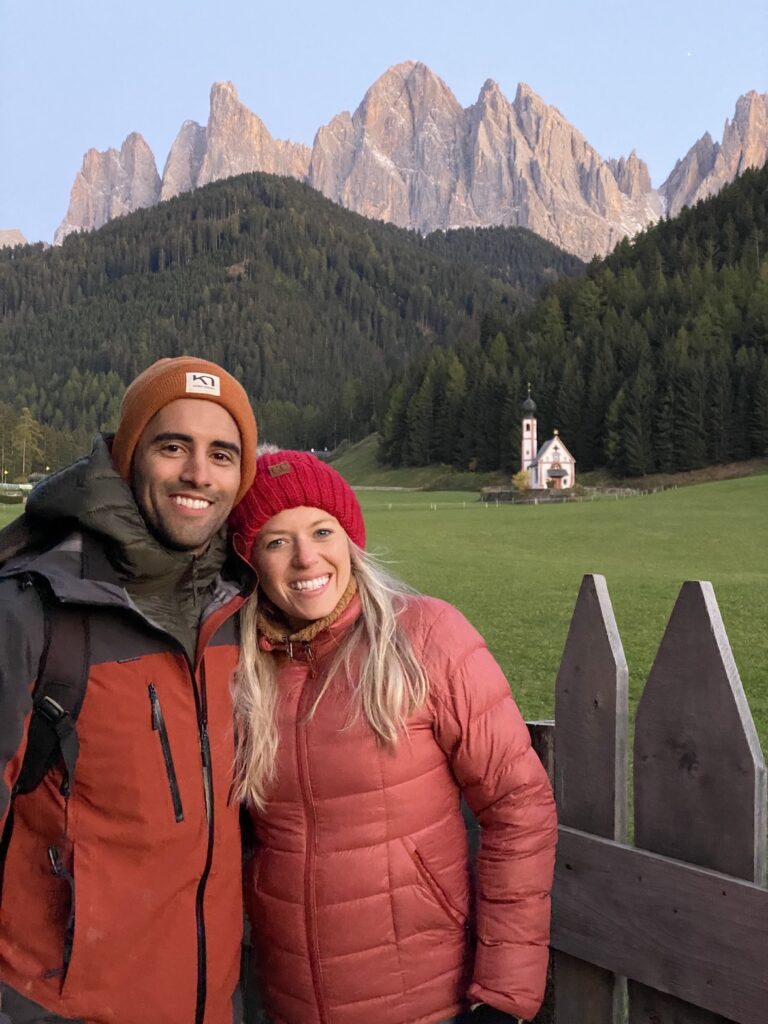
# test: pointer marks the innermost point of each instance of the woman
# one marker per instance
(364, 712)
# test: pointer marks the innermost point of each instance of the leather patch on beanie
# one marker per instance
(203, 384)
(279, 469)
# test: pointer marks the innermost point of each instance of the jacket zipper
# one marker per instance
(310, 910)
(158, 724)
(201, 705)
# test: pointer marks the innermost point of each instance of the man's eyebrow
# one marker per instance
(170, 435)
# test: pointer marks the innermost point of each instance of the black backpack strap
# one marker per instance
(57, 699)
(58, 695)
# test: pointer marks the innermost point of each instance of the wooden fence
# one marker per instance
(672, 929)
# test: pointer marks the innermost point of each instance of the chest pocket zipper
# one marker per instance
(158, 725)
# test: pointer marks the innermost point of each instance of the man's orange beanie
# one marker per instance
(184, 377)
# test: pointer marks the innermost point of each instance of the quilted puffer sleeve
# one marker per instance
(480, 729)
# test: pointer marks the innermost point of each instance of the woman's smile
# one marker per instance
(315, 584)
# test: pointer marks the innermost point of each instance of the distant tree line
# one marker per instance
(656, 360)
(314, 308)
(28, 447)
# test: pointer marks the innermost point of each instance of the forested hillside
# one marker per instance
(314, 308)
(656, 360)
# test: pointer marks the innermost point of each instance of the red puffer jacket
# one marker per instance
(359, 892)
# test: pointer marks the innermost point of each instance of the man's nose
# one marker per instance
(196, 469)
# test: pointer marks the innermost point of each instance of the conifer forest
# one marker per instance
(654, 358)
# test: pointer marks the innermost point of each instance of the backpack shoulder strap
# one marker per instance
(59, 693)
(57, 699)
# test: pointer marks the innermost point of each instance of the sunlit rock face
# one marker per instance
(412, 155)
(10, 237)
(111, 184)
(709, 165)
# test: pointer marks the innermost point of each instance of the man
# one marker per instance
(121, 900)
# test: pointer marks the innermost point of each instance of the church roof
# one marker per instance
(546, 450)
(529, 406)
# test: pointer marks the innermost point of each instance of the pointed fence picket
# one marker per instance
(682, 914)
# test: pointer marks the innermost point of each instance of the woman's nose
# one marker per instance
(303, 553)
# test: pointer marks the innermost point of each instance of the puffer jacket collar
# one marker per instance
(316, 639)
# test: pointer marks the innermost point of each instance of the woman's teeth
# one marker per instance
(315, 584)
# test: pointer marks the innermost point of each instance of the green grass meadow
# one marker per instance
(515, 571)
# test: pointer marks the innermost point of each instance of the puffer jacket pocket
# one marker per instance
(158, 725)
(431, 882)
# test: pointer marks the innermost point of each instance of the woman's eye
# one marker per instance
(275, 543)
(323, 531)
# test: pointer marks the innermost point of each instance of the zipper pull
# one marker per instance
(54, 856)
(155, 705)
(310, 654)
(205, 748)
(205, 755)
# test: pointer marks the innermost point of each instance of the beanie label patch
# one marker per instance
(203, 384)
(279, 469)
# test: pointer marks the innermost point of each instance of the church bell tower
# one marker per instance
(528, 443)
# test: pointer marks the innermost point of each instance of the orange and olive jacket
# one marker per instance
(360, 890)
(122, 904)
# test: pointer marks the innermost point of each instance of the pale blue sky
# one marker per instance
(80, 73)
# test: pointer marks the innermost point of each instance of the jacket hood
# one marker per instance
(89, 495)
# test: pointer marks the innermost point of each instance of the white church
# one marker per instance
(552, 466)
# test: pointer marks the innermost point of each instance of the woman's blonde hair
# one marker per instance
(387, 683)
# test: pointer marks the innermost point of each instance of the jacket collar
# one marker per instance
(275, 634)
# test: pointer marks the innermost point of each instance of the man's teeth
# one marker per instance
(191, 502)
(310, 584)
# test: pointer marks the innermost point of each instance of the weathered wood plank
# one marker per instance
(591, 714)
(542, 735)
(651, 1007)
(689, 932)
(591, 774)
(700, 784)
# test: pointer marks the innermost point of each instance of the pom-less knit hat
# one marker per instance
(286, 480)
(184, 377)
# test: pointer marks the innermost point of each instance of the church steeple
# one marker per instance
(528, 442)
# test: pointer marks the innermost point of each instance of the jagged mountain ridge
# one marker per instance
(410, 154)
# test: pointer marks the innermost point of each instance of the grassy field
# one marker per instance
(515, 571)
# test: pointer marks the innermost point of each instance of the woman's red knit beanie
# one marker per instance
(287, 479)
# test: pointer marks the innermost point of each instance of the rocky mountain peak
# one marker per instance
(111, 184)
(632, 175)
(237, 142)
(709, 165)
(397, 158)
(10, 237)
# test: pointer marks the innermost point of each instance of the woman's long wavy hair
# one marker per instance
(387, 683)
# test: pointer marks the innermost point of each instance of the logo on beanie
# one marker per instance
(203, 384)
(279, 469)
